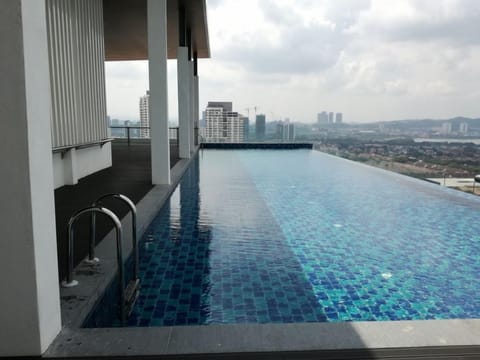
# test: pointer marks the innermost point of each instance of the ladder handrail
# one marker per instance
(70, 282)
(133, 210)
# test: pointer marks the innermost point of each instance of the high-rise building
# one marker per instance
(330, 117)
(338, 118)
(446, 128)
(144, 115)
(202, 123)
(463, 128)
(260, 127)
(322, 118)
(279, 130)
(246, 127)
(285, 131)
(225, 105)
(291, 132)
(223, 124)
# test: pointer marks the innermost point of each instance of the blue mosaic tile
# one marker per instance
(278, 236)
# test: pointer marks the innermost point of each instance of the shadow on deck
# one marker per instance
(130, 175)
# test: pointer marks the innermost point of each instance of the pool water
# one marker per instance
(280, 236)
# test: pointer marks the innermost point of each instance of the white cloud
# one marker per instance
(127, 81)
(452, 22)
(371, 59)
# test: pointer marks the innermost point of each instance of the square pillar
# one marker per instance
(30, 300)
(70, 168)
(184, 105)
(196, 107)
(193, 116)
(157, 70)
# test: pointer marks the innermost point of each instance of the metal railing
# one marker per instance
(70, 281)
(133, 211)
(130, 133)
(173, 133)
(64, 149)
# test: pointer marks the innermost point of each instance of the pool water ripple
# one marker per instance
(425, 238)
(266, 236)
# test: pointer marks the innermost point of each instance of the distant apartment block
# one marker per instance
(330, 117)
(203, 122)
(446, 128)
(463, 128)
(144, 115)
(286, 131)
(246, 127)
(326, 118)
(338, 118)
(222, 124)
(202, 133)
(322, 118)
(260, 127)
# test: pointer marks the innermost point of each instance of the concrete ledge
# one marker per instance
(256, 146)
(453, 182)
(430, 339)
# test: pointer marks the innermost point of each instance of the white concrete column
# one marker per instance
(70, 173)
(30, 299)
(157, 65)
(184, 117)
(196, 108)
(192, 109)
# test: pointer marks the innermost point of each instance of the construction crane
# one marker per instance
(254, 108)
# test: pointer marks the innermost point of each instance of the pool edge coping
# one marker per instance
(368, 337)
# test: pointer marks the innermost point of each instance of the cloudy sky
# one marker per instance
(370, 59)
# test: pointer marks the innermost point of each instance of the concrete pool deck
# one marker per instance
(428, 339)
(130, 175)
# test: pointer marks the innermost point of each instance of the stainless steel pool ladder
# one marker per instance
(70, 281)
(131, 292)
(127, 295)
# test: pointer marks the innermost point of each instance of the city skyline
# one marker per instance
(376, 61)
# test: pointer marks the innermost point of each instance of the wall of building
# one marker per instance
(76, 54)
(76, 50)
(75, 164)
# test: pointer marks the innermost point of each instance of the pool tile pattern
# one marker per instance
(198, 271)
(266, 236)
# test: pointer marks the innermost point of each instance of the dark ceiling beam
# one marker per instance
(195, 64)
(189, 43)
(125, 28)
(182, 27)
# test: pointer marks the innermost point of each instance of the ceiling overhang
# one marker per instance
(125, 28)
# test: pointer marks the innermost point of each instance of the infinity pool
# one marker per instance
(281, 236)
